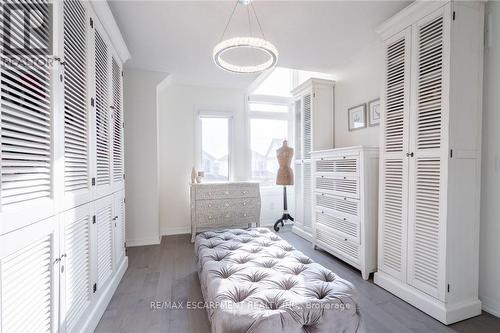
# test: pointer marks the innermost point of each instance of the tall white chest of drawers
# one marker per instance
(345, 200)
(216, 205)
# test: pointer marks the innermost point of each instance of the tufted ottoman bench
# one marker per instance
(254, 281)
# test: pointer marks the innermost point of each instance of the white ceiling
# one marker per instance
(177, 37)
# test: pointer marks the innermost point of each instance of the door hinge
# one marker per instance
(94, 288)
(448, 287)
(125, 244)
(123, 176)
(61, 77)
(454, 15)
(314, 94)
(122, 73)
(451, 153)
(92, 102)
(91, 22)
(93, 219)
(93, 181)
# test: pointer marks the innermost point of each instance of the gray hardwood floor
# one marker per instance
(167, 273)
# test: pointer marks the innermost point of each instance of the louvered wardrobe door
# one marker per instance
(307, 126)
(119, 227)
(30, 279)
(76, 286)
(117, 117)
(26, 168)
(394, 162)
(104, 235)
(103, 128)
(307, 199)
(77, 178)
(298, 128)
(429, 125)
(299, 194)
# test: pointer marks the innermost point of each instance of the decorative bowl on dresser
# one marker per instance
(345, 202)
(215, 205)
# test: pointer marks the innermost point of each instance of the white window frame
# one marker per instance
(211, 113)
(288, 116)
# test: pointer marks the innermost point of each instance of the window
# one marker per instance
(269, 126)
(214, 151)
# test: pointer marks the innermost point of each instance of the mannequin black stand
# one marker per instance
(285, 216)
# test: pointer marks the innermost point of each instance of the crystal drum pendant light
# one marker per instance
(255, 43)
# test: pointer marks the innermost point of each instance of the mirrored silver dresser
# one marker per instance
(215, 205)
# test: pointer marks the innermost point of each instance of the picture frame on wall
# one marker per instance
(374, 112)
(357, 117)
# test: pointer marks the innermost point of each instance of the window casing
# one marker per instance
(269, 123)
(213, 145)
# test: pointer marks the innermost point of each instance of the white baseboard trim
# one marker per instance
(102, 303)
(143, 241)
(490, 305)
(444, 312)
(302, 233)
(185, 229)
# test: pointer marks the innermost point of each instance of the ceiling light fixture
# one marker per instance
(255, 43)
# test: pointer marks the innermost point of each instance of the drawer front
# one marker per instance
(342, 186)
(338, 244)
(226, 218)
(226, 192)
(342, 225)
(227, 205)
(344, 205)
(340, 165)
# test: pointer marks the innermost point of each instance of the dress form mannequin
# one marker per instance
(284, 177)
(285, 172)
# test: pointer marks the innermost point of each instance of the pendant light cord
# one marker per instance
(258, 22)
(229, 21)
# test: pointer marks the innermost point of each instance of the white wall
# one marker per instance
(177, 106)
(141, 156)
(489, 264)
(358, 81)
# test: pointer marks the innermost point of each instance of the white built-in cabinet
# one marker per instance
(345, 204)
(430, 158)
(314, 129)
(62, 219)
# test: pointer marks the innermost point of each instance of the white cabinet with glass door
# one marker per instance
(314, 127)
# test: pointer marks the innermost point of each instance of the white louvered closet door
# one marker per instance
(77, 168)
(429, 121)
(29, 268)
(26, 127)
(394, 160)
(307, 126)
(119, 227)
(103, 212)
(76, 286)
(117, 125)
(103, 127)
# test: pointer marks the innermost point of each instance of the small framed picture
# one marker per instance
(357, 117)
(374, 112)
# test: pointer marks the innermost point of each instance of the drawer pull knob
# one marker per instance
(209, 193)
(345, 239)
(344, 219)
(245, 192)
(209, 205)
(344, 178)
(244, 204)
(245, 215)
(227, 192)
(345, 198)
(210, 217)
(227, 204)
